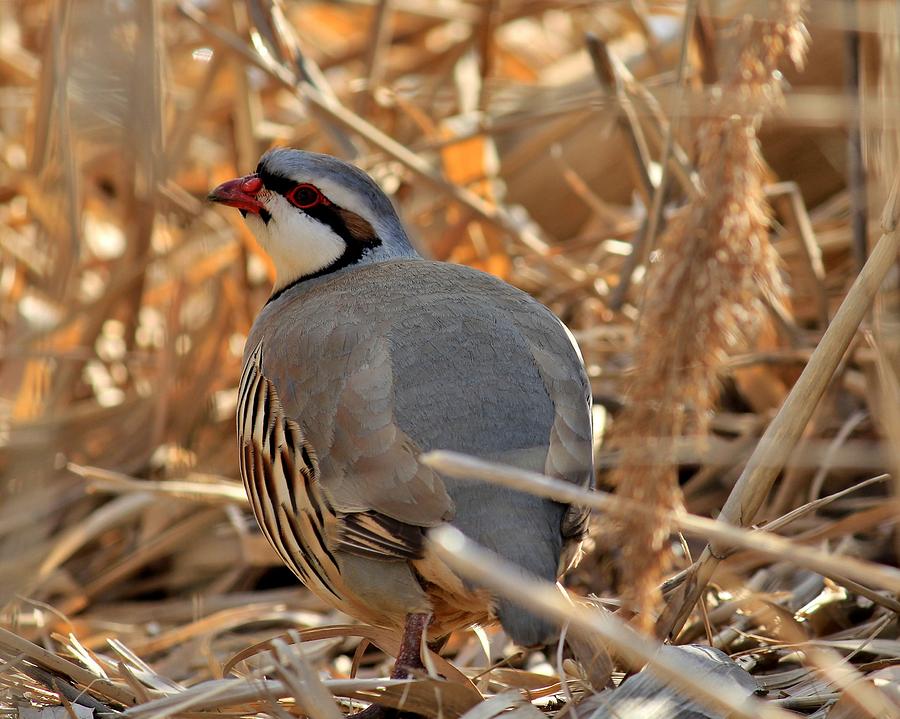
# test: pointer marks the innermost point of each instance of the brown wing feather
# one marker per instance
(377, 536)
(372, 463)
(280, 471)
(569, 454)
(281, 475)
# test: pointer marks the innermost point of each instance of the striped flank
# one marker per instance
(281, 477)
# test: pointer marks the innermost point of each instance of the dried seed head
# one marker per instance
(704, 300)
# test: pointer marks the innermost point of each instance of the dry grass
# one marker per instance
(131, 575)
(706, 297)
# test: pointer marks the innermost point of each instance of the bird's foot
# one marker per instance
(409, 657)
(374, 711)
(410, 654)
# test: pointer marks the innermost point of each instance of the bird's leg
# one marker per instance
(436, 645)
(409, 656)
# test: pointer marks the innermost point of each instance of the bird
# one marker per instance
(367, 355)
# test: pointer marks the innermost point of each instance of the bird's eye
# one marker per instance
(304, 196)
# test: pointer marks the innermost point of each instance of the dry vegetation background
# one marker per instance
(630, 163)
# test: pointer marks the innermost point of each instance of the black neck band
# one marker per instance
(357, 234)
(351, 256)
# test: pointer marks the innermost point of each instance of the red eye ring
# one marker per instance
(304, 196)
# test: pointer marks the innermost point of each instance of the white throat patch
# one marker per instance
(298, 244)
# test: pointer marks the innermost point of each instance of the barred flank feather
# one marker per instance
(280, 475)
(705, 297)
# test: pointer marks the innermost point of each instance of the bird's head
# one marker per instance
(314, 214)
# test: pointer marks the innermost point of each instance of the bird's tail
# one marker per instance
(526, 532)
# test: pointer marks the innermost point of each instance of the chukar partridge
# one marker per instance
(367, 355)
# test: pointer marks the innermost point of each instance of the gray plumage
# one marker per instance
(351, 374)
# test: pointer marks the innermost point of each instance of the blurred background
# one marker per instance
(546, 141)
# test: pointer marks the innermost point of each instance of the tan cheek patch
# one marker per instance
(358, 228)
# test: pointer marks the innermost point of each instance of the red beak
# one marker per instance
(240, 193)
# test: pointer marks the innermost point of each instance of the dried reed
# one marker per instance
(705, 299)
(132, 579)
